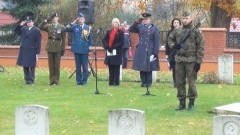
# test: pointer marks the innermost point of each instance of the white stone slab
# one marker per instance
(225, 68)
(226, 125)
(32, 120)
(230, 109)
(126, 122)
(154, 76)
(121, 73)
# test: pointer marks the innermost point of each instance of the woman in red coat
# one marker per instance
(112, 43)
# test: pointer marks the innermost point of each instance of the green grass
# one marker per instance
(75, 110)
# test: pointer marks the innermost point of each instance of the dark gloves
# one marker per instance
(110, 50)
(177, 46)
(196, 67)
(155, 56)
(62, 53)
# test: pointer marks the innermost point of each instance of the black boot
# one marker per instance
(191, 105)
(182, 105)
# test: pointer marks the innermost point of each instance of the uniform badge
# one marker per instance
(59, 30)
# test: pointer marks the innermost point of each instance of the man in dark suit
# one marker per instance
(55, 46)
(145, 58)
(82, 39)
(29, 48)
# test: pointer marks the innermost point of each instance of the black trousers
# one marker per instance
(29, 74)
(146, 78)
(114, 72)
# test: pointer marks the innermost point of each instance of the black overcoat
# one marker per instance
(117, 44)
(148, 44)
(30, 45)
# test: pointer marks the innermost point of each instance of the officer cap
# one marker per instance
(54, 15)
(145, 15)
(80, 15)
(186, 13)
(28, 18)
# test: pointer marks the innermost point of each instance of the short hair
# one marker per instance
(116, 20)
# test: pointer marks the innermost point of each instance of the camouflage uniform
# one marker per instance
(186, 60)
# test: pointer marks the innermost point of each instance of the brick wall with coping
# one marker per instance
(215, 45)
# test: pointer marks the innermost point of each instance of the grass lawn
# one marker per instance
(75, 110)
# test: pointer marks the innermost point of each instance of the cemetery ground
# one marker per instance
(75, 110)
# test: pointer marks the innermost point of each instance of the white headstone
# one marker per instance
(126, 122)
(226, 125)
(121, 72)
(31, 120)
(230, 109)
(154, 76)
(225, 68)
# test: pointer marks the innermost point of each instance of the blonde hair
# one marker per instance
(116, 20)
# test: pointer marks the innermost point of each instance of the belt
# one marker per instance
(54, 38)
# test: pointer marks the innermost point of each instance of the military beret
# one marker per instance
(186, 13)
(80, 15)
(145, 15)
(28, 18)
(55, 15)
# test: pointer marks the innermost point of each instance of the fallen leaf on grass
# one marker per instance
(91, 122)
(64, 131)
(220, 86)
(190, 123)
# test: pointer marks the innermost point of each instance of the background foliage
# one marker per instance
(219, 11)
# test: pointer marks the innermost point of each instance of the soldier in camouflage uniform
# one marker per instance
(188, 60)
(55, 46)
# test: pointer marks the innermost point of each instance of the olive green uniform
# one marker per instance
(186, 59)
(55, 48)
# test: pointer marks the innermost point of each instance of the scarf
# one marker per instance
(112, 36)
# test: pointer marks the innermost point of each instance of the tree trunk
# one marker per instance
(219, 17)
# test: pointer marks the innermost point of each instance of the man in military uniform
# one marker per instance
(188, 60)
(145, 58)
(30, 47)
(82, 39)
(55, 46)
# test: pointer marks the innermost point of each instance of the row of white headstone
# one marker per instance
(225, 70)
(34, 120)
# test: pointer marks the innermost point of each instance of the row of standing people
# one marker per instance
(185, 65)
(82, 39)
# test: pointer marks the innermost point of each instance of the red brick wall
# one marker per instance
(215, 42)
(215, 45)
(6, 19)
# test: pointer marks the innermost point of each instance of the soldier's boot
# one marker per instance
(191, 105)
(182, 105)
